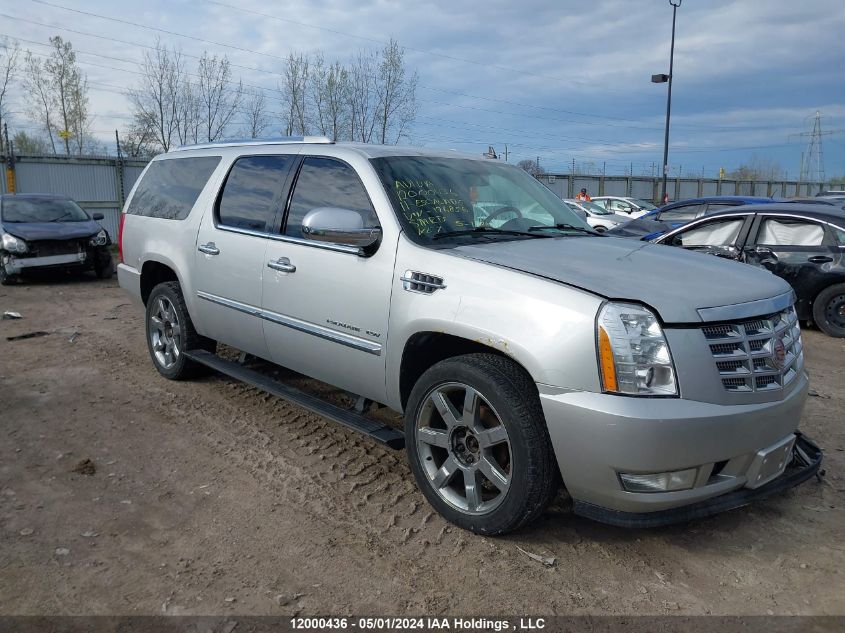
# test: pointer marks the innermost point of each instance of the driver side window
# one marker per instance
(327, 182)
(722, 233)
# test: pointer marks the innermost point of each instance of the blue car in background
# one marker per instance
(677, 213)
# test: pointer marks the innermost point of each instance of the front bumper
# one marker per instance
(85, 258)
(596, 437)
(806, 462)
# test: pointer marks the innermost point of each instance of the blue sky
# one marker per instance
(560, 80)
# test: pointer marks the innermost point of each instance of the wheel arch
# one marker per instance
(424, 349)
(154, 272)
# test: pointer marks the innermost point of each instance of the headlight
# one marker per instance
(634, 357)
(100, 239)
(13, 244)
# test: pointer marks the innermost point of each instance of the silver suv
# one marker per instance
(525, 350)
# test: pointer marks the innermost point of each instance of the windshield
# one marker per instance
(648, 205)
(461, 199)
(592, 207)
(42, 210)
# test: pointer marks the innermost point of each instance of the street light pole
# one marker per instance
(675, 4)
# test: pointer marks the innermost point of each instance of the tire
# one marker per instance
(5, 278)
(829, 310)
(170, 332)
(446, 449)
(107, 271)
(600, 229)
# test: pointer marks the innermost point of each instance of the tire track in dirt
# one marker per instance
(326, 469)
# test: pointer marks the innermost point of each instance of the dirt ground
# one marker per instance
(210, 497)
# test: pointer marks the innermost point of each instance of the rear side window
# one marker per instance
(785, 232)
(681, 214)
(249, 198)
(326, 182)
(170, 188)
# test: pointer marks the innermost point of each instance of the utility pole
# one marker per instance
(506, 152)
(658, 79)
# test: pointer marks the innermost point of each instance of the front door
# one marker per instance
(327, 307)
(800, 250)
(230, 252)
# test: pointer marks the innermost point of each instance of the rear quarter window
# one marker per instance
(170, 188)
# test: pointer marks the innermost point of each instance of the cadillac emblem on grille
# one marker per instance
(779, 352)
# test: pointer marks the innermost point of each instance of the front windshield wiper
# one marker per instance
(61, 217)
(484, 230)
(563, 227)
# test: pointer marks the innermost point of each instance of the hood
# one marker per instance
(32, 231)
(675, 282)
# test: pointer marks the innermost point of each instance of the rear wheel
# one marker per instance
(170, 333)
(829, 310)
(478, 445)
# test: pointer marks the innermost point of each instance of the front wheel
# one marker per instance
(829, 310)
(170, 333)
(478, 445)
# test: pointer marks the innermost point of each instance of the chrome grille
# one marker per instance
(746, 353)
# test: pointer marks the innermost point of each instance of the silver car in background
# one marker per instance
(596, 215)
(524, 350)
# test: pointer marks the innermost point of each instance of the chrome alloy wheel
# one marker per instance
(464, 448)
(165, 333)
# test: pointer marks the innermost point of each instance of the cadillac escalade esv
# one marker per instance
(525, 351)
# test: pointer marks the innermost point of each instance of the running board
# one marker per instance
(379, 432)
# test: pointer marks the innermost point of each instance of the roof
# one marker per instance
(818, 211)
(367, 150)
(34, 196)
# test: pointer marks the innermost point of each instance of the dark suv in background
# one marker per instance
(42, 231)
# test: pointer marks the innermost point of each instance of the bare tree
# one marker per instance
(217, 101)
(330, 97)
(255, 113)
(69, 90)
(41, 102)
(139, 141)
(396, 94)
(532, 167)
(9, 53)
(188, 106)
(294, 89)
(155, 103)
(30, 144)
(363, 103)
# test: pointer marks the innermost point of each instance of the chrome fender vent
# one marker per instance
(423, 283)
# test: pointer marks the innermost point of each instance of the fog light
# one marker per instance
(659, 482)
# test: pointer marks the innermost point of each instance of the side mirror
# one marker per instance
(98, 216)
(339, 226)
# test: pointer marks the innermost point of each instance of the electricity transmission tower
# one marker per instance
(812, 160)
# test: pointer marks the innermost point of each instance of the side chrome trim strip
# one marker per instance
(340, 248)
(319, 331)
(747, 310)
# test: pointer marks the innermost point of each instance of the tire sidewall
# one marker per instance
(502, 517)
(820, 310)
(175, 298)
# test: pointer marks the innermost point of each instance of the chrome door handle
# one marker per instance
(209, 249)
(282, 265)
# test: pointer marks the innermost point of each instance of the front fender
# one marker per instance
(546, 327)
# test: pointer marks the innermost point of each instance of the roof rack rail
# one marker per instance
(280, 140)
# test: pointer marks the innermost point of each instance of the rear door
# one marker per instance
(327, 307)
(801, 250)
(230, 251)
